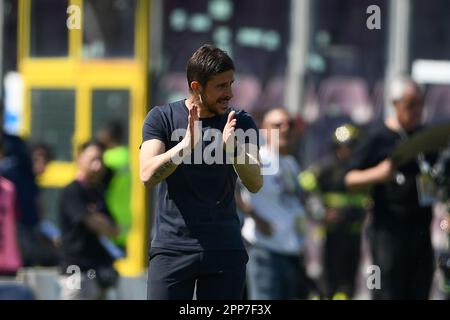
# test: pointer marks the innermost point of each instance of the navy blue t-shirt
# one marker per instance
(195, 208)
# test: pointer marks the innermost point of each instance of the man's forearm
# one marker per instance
(162, 172)
(248, 169)
(380, 173)
(360, 179)
(98, 223)
(164, 165)
(251, 177)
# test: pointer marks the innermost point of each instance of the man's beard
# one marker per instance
(211, 107)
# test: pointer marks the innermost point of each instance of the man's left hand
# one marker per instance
(228, 133)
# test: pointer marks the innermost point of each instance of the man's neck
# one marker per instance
(203, 112)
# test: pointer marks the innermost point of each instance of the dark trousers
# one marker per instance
(406, 262)
(341, 260)
(217, 275)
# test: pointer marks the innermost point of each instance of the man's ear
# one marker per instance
(196, 87)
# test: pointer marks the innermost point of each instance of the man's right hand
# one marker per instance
(263, 226)
(99, 223)
(193, 133)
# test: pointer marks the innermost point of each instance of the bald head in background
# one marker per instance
(407, 98)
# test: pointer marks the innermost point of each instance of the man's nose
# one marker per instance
(229, 93)
(285, 126)
(97, 165)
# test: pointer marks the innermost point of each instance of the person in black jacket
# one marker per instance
(400, 230)
(85, 224)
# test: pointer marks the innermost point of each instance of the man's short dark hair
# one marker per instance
(45, 148)
(91, 143)
(115, 130)
(207, 62)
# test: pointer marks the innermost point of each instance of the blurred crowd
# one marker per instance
(354, 224)
(311, 232)
(93, 220)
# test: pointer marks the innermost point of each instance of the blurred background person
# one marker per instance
(41, 155)
(444, 256)
(275, 221)
(117, 178)
(440, 173)
(342, 213)
(48, 233)
(10, 258)
(400, 236)
(85, 223)
(17, 167)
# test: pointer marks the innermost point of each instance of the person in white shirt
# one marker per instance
(274, 226)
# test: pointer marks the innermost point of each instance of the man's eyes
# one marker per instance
(224, 86)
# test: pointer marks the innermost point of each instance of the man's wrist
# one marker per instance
(182, 151)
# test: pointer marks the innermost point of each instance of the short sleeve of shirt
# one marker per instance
(366, 154)
(246, 122)
(154, 126)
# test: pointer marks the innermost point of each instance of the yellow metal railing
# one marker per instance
(84, 76)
